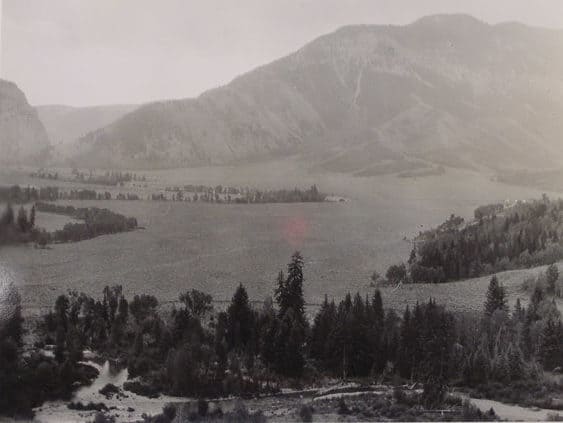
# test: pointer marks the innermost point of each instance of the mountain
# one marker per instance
(65, 124)
(367, 99)
(23, 138)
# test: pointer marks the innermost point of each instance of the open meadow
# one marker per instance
(214, 247)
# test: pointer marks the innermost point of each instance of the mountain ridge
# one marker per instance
(446, 89)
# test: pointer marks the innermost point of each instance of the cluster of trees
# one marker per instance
(220, 194)
(201, 189)
(27, 380)
(524, 234)
(547, 281)
(44, 174)
(19, 195)
(17, 228)
(357, 337)
(96, 222)
(111, 178)
(192, 350)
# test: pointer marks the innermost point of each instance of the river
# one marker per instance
(127, 408)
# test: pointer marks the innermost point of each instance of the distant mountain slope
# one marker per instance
(65, 124)
(445, 89)
(23, 138)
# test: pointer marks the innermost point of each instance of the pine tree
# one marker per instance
(22, 220)
(496, 297)
(239, 320)
(323, 325)
(294, 286)
(123, 309)
(377, 305)
(515, 363)
(8, 216)
(281, 293)
(534, 306)
(32, 217)
(519, 314)
(376, 332)
(289, 338)
(407, 346)
(550, 351)
(552, 275)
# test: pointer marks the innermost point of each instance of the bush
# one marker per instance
(169, 412)
(102, 418)
(433, 394)
(109, 390)
(202, 407)
(342, 407)
(91, 406)
(306, 413)
(142, 389)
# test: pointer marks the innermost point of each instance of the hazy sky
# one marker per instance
(86, 52)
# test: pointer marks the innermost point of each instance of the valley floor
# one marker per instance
(215, 247)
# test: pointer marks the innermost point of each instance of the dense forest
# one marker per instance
(501, 237)
(193, 350)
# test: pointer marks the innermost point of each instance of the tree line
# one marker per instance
(220, 194)
(110, 178)
(190, 193)
(96, 222)
(19, 195)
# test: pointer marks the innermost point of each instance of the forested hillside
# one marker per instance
(501, 237)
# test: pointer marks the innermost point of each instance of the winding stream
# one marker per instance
(127, 408)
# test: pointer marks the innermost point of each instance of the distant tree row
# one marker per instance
(240, 196)
(111, 178)
(17, 194)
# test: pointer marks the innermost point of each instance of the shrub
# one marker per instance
(102, 418)
(306, 413)
(109, 390)
(91, 406)
(141, 389)
(342, 407)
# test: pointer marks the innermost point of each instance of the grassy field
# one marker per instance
(215, 247)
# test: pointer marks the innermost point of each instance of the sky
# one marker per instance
(92, 52)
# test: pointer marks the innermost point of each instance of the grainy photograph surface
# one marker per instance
(261, 211)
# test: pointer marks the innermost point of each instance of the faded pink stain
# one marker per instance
(294, 230)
